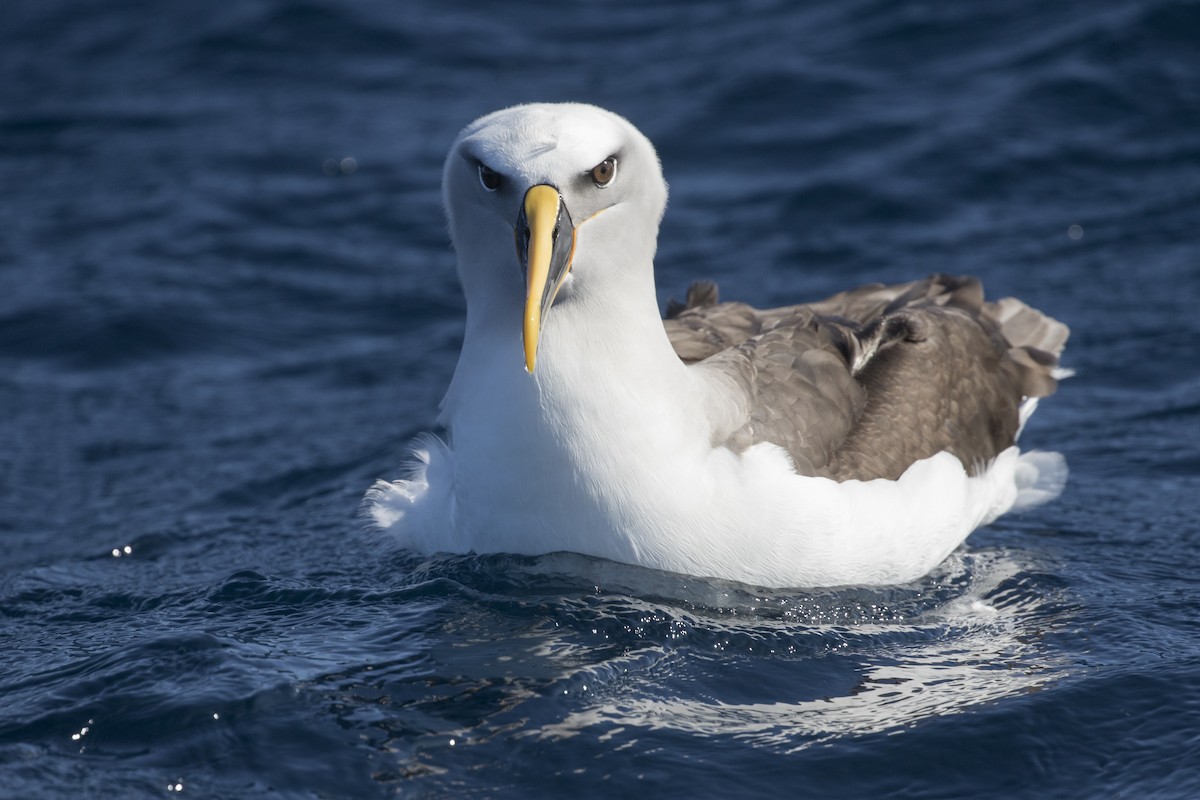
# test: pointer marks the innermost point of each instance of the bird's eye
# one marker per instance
(489, 178)
(605, 171)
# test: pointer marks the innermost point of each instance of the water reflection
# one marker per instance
(973, 638)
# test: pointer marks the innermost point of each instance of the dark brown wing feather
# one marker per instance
(866, 382)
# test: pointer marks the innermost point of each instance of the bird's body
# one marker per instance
(855, 440)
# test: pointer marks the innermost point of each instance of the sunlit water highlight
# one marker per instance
(227, 304)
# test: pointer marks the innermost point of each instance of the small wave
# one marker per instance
(627, 649)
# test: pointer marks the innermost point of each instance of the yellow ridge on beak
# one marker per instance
(542, 244)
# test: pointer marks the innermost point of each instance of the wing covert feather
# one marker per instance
(862, 384)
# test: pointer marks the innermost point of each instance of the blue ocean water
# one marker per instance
(227, 303)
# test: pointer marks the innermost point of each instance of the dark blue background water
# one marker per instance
(215, 332)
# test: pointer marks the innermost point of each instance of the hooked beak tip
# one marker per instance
(547, 258)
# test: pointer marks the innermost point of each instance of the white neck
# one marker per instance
(608, 405)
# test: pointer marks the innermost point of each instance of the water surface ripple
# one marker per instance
(227, 302)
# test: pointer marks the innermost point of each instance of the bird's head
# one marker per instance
(578, 189)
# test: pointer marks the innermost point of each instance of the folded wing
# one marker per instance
(866, 382)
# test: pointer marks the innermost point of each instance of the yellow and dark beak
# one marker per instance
(545, 245)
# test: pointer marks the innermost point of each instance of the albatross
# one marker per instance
(854, 440)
